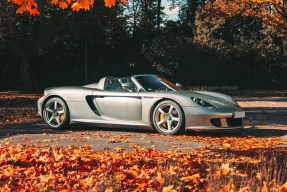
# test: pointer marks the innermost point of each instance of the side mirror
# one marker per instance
(178, 85)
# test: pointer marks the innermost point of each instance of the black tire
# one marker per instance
(168, 117)
(56, 114)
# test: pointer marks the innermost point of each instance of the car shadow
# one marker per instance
(36, 127)
(83, 128)
(40, 128)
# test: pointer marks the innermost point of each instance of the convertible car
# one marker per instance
(140, 101)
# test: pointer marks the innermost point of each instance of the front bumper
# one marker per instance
(199, 119)
(39, 105)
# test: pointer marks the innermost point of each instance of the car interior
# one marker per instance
(119, 84)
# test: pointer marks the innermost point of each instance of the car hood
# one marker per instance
(216, 99)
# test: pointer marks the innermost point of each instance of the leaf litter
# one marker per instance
(243, 163)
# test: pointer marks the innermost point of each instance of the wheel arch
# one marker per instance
(157, 102)
(53, 96)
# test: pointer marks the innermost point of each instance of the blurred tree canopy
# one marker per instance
(211, 42)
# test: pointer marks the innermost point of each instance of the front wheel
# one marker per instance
(168, 117)
(56, 113)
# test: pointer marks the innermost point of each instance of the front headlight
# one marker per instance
(202, 103)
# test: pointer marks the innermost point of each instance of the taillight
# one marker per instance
(43, 95)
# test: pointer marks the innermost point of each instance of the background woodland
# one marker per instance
(209, 43)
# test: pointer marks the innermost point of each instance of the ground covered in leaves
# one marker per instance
(73, 168)
(34, 158)
(18, 107)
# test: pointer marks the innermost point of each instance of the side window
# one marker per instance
(112, 84)
(127, 84)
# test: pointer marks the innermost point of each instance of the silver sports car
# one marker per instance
(140, 101)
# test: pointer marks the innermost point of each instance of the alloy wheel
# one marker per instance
(167, 118)
(54, 113)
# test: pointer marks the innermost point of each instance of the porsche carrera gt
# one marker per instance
(140, 101)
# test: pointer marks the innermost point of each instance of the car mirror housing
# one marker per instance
(178, 85)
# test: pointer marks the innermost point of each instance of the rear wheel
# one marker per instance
(168, 117)
(56, 113)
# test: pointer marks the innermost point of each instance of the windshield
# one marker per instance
(153, 83)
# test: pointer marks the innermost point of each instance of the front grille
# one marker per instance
(216, 122)
(232, 122)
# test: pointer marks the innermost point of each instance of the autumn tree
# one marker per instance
(240, 33)
(21, 40)
(26, 38)
(164, 51)
(32, 6)
(187, 15)
(208, 39)
(272, 12)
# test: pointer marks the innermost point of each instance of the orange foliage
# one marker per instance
(272, 12)
(31, 6)
(110, 3)
(82, 4)
(38, 168)
(46, 168)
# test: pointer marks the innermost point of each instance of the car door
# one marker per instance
(118, 105)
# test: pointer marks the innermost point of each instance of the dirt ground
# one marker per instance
(265, 109)
(266, 116)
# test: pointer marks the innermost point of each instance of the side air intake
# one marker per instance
(92, 105)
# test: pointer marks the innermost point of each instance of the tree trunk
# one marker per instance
(24, 70)
(158, 14)
(3, 79)
(134, 15)
(190, 27)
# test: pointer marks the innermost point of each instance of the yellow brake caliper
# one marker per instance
(62, 117)
(161, 117)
